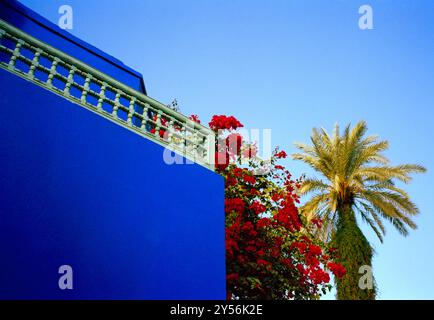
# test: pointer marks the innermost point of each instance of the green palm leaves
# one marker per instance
(355, 172)
(356, 178)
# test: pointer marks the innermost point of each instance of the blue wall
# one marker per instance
(79, 190)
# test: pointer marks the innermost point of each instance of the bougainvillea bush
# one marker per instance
(271, 252)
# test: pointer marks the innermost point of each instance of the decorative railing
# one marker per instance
(78, 82)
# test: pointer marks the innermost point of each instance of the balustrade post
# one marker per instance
(69, 81)
(131, 111)
(52, 73)
(35, 63)
(116, 106)
(15, 54)
(101, 96)
(145, 118)
(86, 88)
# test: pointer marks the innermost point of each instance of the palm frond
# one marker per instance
(356, 171)
(312, 185)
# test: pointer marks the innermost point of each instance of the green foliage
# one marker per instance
(354, 251)
(356, 178)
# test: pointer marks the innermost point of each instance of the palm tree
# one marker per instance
(357, 179)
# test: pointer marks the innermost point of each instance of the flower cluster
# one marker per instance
(223, 122)
(195, 118)
(257, 207)
(279, 154)
(234, 205)
(337, 269)
(270, 251)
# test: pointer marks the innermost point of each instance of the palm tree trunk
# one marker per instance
(354, 251)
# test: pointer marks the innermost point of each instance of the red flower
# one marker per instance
(232, 276)
(337, 269)
(230, 181)
(237, 172)
(263, 222)
(262, 262)
(251, 248)
(161, 132)
(260, 253)
(242, 259)
(288, 217)
(247, 226)
(235, 204)
(287, 262)
(280, 155)
(249, 179)
(257, 207)
(276, 197)
(223, 122)
(319, 276)
(164, 121)
(231, 245)
(301, 246)
(195, 118)
(278, 241)
(312, 261)
(254, 192)
(315, 250)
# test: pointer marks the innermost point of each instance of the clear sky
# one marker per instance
(290, 66)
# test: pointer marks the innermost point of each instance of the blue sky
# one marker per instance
(291, 66)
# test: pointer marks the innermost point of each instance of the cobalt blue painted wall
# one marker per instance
(37, 26)
(77, 189)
